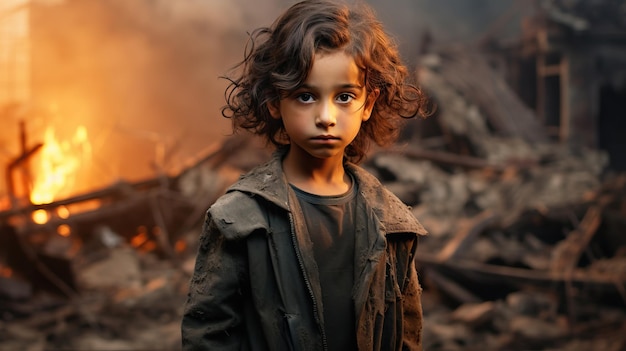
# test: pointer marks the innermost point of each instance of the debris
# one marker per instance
(526, 245)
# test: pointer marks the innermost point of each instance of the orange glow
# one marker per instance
(150, 245)
(180, 246)
(78, 207)
(40, 216)
(5, 203)
(58, 163)
(139, 239)
(63, 212)
(5, 272)
(64, 230)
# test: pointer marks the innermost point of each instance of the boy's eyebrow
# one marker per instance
(340, 86)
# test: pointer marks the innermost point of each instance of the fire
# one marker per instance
(142, 239)
(54, 173)
(40, 216)
(59, 163)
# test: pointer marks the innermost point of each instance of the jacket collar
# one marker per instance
(268, 181)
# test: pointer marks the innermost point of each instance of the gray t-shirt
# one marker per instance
(331, 221)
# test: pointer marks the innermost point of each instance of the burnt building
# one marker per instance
(570, 67)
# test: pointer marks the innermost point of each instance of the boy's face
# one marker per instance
(325, 114)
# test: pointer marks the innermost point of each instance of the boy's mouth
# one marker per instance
(325, 137)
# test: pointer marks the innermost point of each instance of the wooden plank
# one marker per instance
(568, 251)
(445, 158)
(470, 230)
(521, 276)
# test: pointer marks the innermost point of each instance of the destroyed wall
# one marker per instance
(570, 67)
(526, 245)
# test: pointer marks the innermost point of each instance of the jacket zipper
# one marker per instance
(294, 241)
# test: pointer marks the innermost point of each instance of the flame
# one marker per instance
(142, 240)
(59, 163)
(63, 212)
(40, 216)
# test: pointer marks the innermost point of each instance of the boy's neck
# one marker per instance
(319, 177)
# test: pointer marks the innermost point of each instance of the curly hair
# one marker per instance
(277, 60)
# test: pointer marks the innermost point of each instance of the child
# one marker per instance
(309, 251)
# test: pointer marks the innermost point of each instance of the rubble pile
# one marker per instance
(526, 247)
(119, 280)
(521, 257)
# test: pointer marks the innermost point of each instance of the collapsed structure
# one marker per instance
(526, 212)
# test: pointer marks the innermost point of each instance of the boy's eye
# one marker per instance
(345, 97)
(305, 97)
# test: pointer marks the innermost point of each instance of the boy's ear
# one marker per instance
(274, 108)
(369, 104)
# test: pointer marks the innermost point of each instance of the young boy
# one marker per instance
(309, 251)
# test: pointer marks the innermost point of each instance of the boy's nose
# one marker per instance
(326, 115)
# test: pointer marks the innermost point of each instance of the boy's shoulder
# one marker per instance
(395, 214)
(266, 181)
(243, 208)
(236, 214)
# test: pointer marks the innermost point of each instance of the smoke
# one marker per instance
(143, 76)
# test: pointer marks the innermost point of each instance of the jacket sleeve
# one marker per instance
(212, 317)
(412, 305)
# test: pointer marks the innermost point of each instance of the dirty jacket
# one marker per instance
(255, 285)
